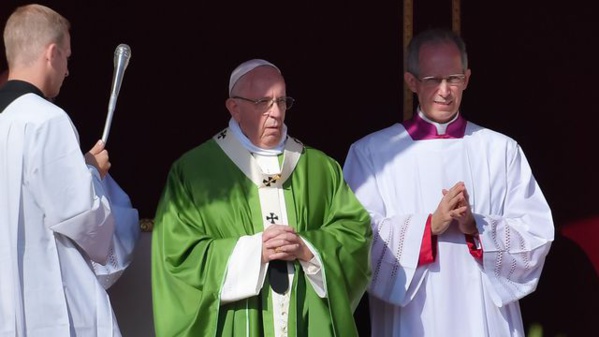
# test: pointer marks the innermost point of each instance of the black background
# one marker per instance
(534, 78)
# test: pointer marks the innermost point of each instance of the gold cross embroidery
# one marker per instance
(271, 180)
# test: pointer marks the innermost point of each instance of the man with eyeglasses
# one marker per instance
(461, 227)
(257, 234)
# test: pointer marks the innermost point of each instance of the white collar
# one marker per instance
(236, 130)
(441, 127)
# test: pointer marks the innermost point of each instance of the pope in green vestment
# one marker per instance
(208, 204)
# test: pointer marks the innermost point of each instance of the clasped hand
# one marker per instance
(280, 242)
(454, 207)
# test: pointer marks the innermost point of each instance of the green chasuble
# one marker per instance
(208, 203)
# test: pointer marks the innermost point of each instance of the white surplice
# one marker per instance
(400, 182)
(65, 234)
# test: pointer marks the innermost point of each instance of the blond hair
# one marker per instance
(29, 30)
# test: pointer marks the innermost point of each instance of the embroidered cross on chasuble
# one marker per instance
(270, 190)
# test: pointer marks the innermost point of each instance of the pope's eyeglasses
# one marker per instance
(264, 104)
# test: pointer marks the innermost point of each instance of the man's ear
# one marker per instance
(233, 108)
(467, 73)
(410, 81)
(50, 51)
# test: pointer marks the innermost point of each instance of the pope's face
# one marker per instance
(261, 122)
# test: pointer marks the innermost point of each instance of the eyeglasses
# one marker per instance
(264, 104)
(451, 80)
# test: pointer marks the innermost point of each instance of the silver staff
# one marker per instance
(122, 54)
